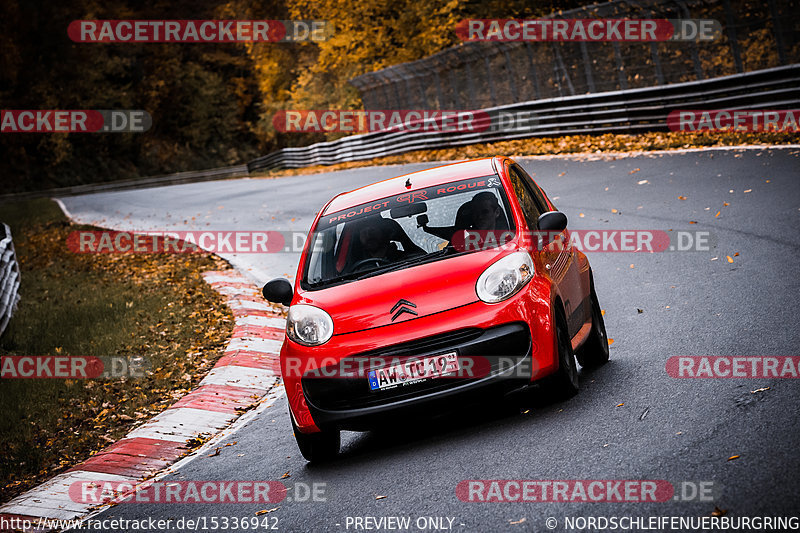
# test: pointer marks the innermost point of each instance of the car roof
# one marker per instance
(419, 180)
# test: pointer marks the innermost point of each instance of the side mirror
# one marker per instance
(552, 221)
(422, 220)
(279, 291)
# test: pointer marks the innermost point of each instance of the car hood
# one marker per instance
(396, 297)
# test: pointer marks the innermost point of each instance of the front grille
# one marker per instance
(498, 346)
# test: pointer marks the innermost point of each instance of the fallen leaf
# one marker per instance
(642, 182)
(620, 404)
(631, 265)
(725, 204)
(640, 311)
(265, 511)
(216, 452)
(602, 312)
(380, 497)
(714, 258)
(614, 211)
(610, 342)
(634, 171)
(515, 522)
(762, 389)
(581, 215)
(284, 476)
(718, 214)
(563, 173)
(733, 457)
(692, 222)
(748, 190)
(730, 259)
(719, 512)
(736, 254)
(681, 198)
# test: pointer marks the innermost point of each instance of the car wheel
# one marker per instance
(564, 383)
(317, 447)
(594, 351)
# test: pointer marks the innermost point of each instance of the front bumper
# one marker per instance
(476, 329)
(496, 359)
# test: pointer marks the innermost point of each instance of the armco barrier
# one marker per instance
(630, 111)
(9, 277)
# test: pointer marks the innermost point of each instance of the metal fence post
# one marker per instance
(587, 66)
(490, 79)
(623, 77)
(537, 90)
(731, 27)
(777, 30)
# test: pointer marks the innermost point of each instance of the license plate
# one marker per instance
(413, 371)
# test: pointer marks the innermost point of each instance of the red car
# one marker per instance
(418, 292)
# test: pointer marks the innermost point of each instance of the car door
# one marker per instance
(560, 258)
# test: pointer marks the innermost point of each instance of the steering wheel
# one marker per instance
(379, 261)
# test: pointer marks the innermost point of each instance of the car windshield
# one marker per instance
(410, 228)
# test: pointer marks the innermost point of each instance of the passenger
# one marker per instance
(482, 212)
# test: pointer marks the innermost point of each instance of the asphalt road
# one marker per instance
(631, 421)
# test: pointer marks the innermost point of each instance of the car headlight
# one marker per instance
(505, 277)
(309, 325)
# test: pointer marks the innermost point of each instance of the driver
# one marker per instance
(375, 242)
(485, 211)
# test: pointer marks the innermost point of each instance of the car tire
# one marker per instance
(594, 352)
(564, 383)
(317, 447)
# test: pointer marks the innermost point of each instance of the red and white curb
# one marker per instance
(243, 376)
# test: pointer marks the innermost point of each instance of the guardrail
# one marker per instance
(191, 176)
(9, 277)
(629, 111)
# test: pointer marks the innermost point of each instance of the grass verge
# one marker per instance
(151, 305)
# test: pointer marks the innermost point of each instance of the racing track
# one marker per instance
(630, 420)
